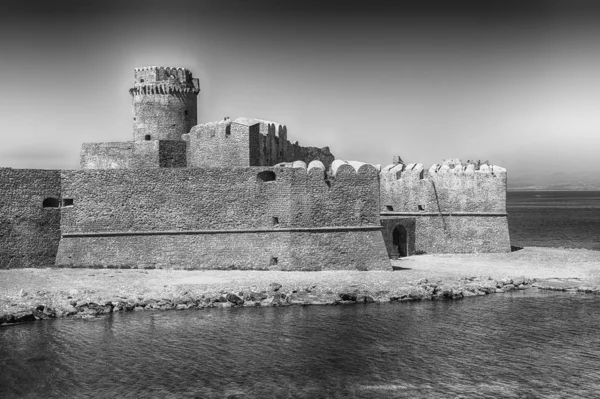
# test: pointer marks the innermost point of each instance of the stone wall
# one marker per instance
(448, 208)
(164, 103)
(255, 250)
(219, 144)
(163, 116)
(113, 155)
(408, 188)
(279, 217)
(272, 146)
(434, 234)
(29, 232)
(247, 142)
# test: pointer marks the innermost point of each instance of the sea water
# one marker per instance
(527, 344)
(568, 219)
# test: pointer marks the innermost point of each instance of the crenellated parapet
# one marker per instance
(443, 188)
(164, 80)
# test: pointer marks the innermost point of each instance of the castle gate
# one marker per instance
(399, 235)
(399, 242)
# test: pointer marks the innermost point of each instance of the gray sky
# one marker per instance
(515, 82)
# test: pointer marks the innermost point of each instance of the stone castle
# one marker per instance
(236, 194)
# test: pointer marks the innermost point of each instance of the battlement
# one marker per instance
(469, 168)
(400, 170)
(338, 168)
(164, 80)
(416, 170)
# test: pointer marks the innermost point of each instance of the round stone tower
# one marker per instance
(164, 103)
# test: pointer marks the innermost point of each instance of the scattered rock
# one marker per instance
(255, 296)
(236, 300)
(517, 281)
(348, 296)
(275, 286)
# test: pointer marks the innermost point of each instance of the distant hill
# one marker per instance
(557, 181)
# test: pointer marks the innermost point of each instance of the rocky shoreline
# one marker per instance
(75, 303)
(46, 293)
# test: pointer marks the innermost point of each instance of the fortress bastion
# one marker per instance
(237, 194)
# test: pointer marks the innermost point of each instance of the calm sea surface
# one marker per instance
(521, 345)
(569, 219)
(527, 344)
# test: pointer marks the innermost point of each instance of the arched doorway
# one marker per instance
(400, 241)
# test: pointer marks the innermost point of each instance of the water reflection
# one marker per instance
(525, 344)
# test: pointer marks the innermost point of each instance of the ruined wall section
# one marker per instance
(247, 142)
(272, 146)
(109, 155)
(29, 225)
(164, 103)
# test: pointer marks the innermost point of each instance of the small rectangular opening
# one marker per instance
(227, 130)
(389, 208)
(274, 220)
(273, 261)
(67, 201)
(421, 208)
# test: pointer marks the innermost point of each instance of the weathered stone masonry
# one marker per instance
(446, 209)
(30, 201)
(237, 194)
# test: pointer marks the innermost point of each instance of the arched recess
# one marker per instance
(400, 241)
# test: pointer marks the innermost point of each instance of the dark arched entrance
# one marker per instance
(400, 241)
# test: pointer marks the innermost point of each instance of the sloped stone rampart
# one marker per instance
(311, 250)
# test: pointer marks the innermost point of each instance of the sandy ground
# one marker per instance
(23, 288)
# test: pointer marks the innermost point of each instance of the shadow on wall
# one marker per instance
(399, 236)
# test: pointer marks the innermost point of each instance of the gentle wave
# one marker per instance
(525, 344)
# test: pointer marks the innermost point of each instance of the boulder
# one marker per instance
(348, 296)
(518, 281)
(23, 316)
(255, 296)
(236, 300)
(275, 286)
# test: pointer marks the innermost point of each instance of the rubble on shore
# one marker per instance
(73, 303)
